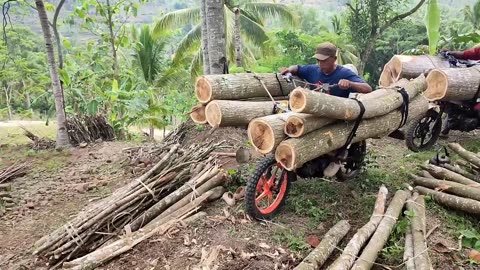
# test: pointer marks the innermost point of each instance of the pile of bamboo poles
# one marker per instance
(88, 129)
(174, 188)
(13, 171)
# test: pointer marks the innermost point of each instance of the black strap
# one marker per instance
(477, 95)
(279, 84)
(354, 129)
(404, 107)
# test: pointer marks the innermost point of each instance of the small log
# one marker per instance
(266, 133)
(293, 153)
(240, 86)
(325, 105)
(320, 254)
(346, 259)
(461, 171)
(444, 174)
(453, 84)
(408, 252)
(299, 124)
(468, 166)
(409, 66)
(451, 201)
(422, 261)
(244, 155)
(427, 174)
(380, 237)
(449, 187)
(222, 113)
(465, 154)
(197, 114)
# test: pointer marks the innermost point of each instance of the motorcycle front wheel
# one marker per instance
(423, 131)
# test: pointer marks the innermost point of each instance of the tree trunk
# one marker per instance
(57, 34)
(461, 171)
(8, 92)
(266, 133)
(408, 253)
(216, 36)
(444, 174)
(420, 252)
(465, 154)
(206, 59)
(324, 105)
(299, 124)
(197, 114)
(238, 39)
(320, 254)
(381, 235)
(240, 86)
(453, 84)
(222, 113)
(409, 66)
(346, 260)
(293, 153)
(151, 133)
(448, 186)
(454, 202)
(62, 134)
(112, 40)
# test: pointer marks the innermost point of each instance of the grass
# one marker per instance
(13, 135)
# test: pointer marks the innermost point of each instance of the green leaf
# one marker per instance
(92, 107)
(49, 7)
(67, 44)
(64, 76)
(477, 245)
(469, 234)
(80, 13)
(115, 85)
(432, 22)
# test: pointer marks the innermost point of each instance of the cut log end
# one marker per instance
(294, 127)
(213, 114)
(203, 90)
(437, 82)
(262, 136)
(285, 154)
(396, 66)
(298, 100)
(198, 114)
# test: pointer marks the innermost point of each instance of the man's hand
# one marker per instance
(344, 84)
(284, 70)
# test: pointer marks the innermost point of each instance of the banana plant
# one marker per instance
(432, 22)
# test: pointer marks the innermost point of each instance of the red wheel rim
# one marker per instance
(265, 193)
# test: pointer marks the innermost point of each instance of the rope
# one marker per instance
(354, 129)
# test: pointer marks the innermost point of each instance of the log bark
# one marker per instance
(299, 124)
(244, 155)
(380, 237)
(465, 154)
(222, 113)
(266, 133)
(328, 106)
(422, 261)
(347, 258)
(452, 201)
(444, 174)
(293, 153)
(320, 254)
(409, 66)
(427, 174)
(197, 114)
(240, 86)
(449, 187)
(453, 84)
(461, 171)
(408, 253)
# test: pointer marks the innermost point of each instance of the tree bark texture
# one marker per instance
(461, 171)
(293, 153)
(465, 154)
(420, 253)
(57, 34)
(408, 252)
(320, 254)
(216, 36)
(444, 174)
(238, 39)
(453, 84)
(206, 59)
(266, 133)
(452, 201)
(197, 114)
(448, 187)
(380, 237)
(299, 124)
(324, 105)
(223, 113)
(240, 86)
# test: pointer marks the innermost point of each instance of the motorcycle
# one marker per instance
(269, 184)
(423, 132)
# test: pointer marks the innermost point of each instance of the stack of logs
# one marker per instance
(444, 82)
(318, 121)
(454, 185)
(363, 248)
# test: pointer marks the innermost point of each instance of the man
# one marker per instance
(470, 54)
(327, 71)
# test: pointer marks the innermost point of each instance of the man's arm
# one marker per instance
(292, 69)
(359, 87)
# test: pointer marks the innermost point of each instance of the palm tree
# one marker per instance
(251, 16)
(62, 140)
(472, 15)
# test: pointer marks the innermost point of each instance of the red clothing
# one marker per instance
(472, 54)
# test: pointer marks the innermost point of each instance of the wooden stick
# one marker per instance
(448, 186)
(454, 202)
(442, 173)
(408, 253)
(461, 171)
(422, 261)
(465, 154)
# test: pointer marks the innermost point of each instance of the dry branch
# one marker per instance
(13, 171)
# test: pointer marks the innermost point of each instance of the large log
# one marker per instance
(453, 84)
(409, 66)
(449, 187)
(465, 154)
(380, 237)
(422, 261)
(294, 152)
(345, 261)
(222, 113)
(325, 105)
(299, 124)
(444, 174)
(266, 133)
(240, 86)
(320, 254)
(452, 201)
(197, 114)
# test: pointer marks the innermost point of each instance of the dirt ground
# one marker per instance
(59, 184)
